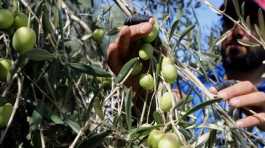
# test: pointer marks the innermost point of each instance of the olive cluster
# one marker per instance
(159, 139)
(23, 40)
(168, 70)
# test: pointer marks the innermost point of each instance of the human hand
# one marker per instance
(120, 51)
(245, 95)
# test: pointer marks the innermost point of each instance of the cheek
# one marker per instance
(224, 47)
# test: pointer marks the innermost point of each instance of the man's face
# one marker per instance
(238, 57)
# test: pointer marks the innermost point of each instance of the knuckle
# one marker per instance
(124, 29)
(112, 47)
(249, 85)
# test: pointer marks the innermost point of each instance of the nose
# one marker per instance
(238, 32)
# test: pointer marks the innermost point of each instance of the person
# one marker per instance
(240, 62)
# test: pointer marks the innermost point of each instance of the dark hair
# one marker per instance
(250, 9)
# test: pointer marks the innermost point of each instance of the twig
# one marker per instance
(15, 107)
(9, 85)
(80, 133)
(30, 10)
(75, 18)
(144, 109)
(212, 7)
(111, 94)
(42, 139)
(123, 7)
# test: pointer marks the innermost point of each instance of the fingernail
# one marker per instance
(239, 124)
(234, 102)
(213, 90)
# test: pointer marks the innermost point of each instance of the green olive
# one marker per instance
(146, 52)
(170, 140)
(20, 20)
(154, 137)
(6, 18)
(169, 73)
(5, 69)
(98, 34)
(24, 39)
(165, 102)
(147, 82)
(166, 60)
(152, 35)
(5, 112)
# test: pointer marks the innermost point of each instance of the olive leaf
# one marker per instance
(40, 55)
(125, 69)
(89, 69)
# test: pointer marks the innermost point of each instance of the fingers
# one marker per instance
(176, 94)
(123, 41)
(118, 51)
(131, 33)
(113, 58)
(141, 30)
(251, 121)
(213, 90)
(253, 99)
(238, 89)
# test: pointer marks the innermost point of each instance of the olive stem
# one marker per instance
(42, 139)
(80, 133)
(144, 108)
(75, 18)
(242, 26)
(30, 10)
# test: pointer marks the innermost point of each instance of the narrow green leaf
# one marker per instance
(94, 140)
(90, 69)
(237, 8)
(248, 22)
(73, 125)
(125, 69)
(157, 117)
(175, 24)
(136, 132)
(261, 23)
(40, 55)
(185, 32)
(56, 119)
(200, 106)
(258, 31)
(173, 28)
(35, 138)
(36, 119)
(98, 108)
(45, 19)
(3, 100)
(243, 9)
(212, 139)
(128, 108)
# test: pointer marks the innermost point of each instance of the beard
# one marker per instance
(244, 63)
